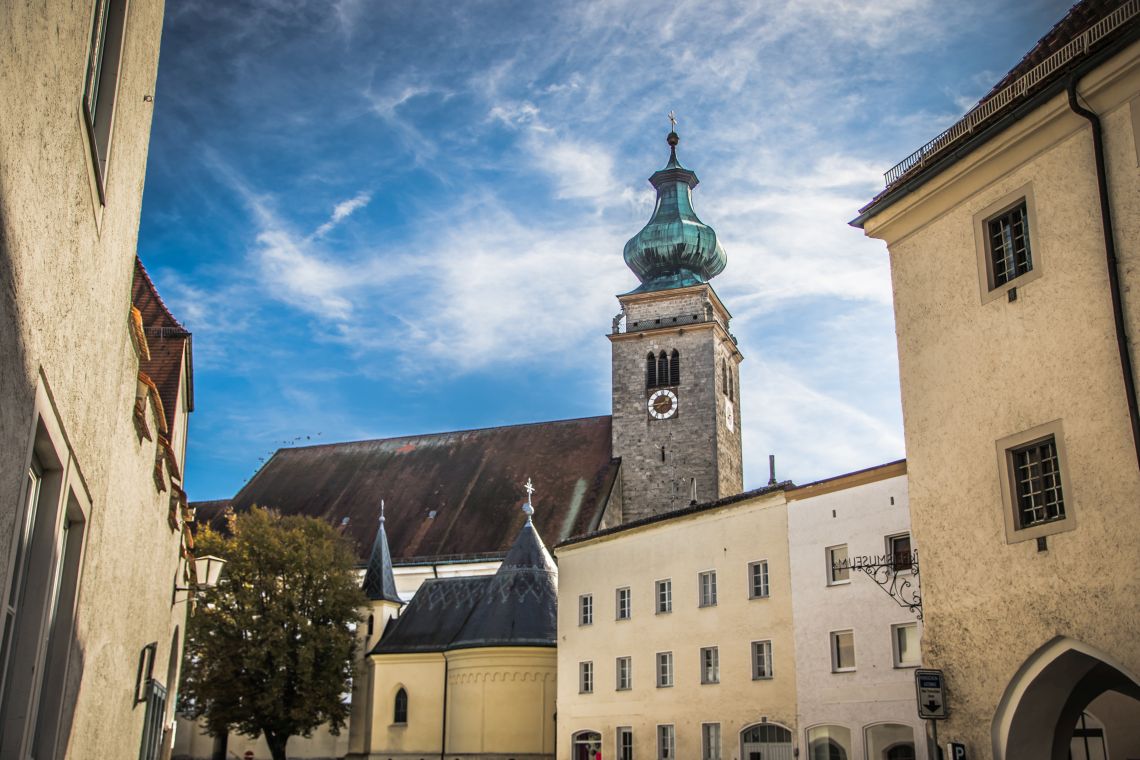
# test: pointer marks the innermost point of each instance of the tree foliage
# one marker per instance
(271, 649)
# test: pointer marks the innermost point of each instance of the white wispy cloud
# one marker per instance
(342, 211)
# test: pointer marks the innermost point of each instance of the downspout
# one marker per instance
(443, 728)
(1110, 258)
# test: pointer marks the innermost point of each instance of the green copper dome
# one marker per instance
(675, 249)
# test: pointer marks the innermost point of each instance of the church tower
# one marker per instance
(676, 409)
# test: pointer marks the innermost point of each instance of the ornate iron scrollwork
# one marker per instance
(897, 575)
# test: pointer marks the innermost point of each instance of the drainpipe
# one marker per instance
(1110, 258)
(443, 728)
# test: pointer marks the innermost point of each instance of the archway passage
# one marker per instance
(1050, 701)
(586, 745)
(766, 741)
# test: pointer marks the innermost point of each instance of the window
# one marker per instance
(651, 371)
(1036, 475)
(664, 596)
(894, 741)
(586, 609)
(675, 368)
(664, 669)
(625, 743)
(151, 748)
(103, 81)
(710, 665)
(758, 580)
(761, 660)
(666, 743)
(905, 638)
(899, 549)
(706, 582)
(842, 651)
(662, 369)
(624, 673)
(623, 610)
(585, 678)
(830, 743)
(1032, 471)
(710, 741)
(1007, 245)
(400, 712)
(837, 570)
(37, 701)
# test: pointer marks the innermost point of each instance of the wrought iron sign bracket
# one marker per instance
(902, 585)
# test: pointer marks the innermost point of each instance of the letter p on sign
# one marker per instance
(956, 751)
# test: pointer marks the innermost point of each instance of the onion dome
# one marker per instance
(675, 249)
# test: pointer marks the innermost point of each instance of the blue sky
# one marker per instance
(387, 218)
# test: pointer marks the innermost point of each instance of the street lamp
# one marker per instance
(207, 572)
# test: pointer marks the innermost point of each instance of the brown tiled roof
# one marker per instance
(457, 493)
(168, 342)
(994, 111)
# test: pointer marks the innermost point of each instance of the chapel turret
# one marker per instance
(676, 412)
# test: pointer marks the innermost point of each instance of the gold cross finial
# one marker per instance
(672, 122)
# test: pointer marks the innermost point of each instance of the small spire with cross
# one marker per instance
(672, 122)
(381, 510)
(528, 508)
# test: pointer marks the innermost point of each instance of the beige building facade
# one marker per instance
(1016, 333)
(668, 644)
(95, 391)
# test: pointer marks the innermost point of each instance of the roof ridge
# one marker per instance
(141, 269)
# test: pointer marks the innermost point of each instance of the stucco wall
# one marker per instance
(860, 515)
(973, 373)
(66, 264)
(727, 540)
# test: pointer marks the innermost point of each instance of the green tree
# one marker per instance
(271, 649)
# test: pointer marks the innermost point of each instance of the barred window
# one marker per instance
(1037, 482)
(1007, 238)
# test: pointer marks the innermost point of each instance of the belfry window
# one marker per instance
(662, 369)
(675, 368)
(400, 714)
(651, 371)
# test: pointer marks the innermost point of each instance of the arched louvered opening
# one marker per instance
(371, 623)
(662, 369)
(675, 368)
(731, 386)
(400, 714)
(724, 377)
(651, 371)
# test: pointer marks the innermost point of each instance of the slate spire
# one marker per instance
(379, 581)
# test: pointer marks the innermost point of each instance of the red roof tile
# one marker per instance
(169, 342)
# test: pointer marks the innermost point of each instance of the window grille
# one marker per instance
(758, 580)
(586, 609)
(400, 714)
(1009, 245)
(1037, 477)
(152, 721)
(675, 368)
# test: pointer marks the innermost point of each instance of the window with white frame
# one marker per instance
(842, 651)
(761, 660)
(622, 604)
(664, 669)
(710, 665)
(585, 677)
(758, 580)
(624, 673)
(625, 743)
(837, 570)
(586, 609)
(905, 644)
(666, 743)
(706, 582)
(664, 596)
(898, 547)
(102, 81)
(710, 741)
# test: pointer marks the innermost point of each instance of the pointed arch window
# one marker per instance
(662, 369)
(371, 623)
(724, 374)
(675, 368)
(400, 714)
(651, 371)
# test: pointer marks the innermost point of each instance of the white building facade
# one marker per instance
(856, 645)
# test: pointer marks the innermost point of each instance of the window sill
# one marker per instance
(907, 665)
(832, 584)
(842, 670)
(622, 620)
(664, 686)
(754, 598)
(706, 606)
(664, 612)
(761, 678)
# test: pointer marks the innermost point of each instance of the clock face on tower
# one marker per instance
(662, 404)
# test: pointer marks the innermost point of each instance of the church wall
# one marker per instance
(422, 676)
(501, 702)
(725, 539)
(69, 368)
(972, 376)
